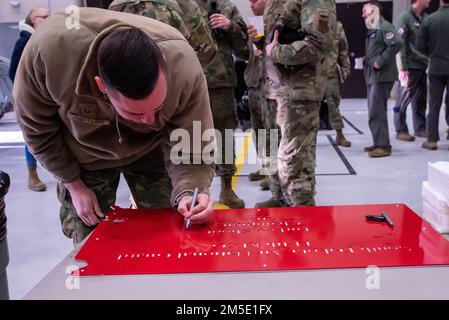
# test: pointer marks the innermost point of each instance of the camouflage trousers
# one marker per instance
(224, 112)
(332, 96)
(147, 180)
(257, 106)
(263, 111)
(299, 122)
(271, 124)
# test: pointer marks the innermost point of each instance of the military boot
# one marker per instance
(270, 203)
(255, 176)
(421, 133)
(227, 195)
(341, 140)
(430, 145)
(34, 183)
(405, 136)
(380, 152)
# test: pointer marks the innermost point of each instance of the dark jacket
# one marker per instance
(382, 45)
(433, 41)
(408, 25)
(17, 53)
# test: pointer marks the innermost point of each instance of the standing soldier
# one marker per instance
(256, 100)
(230, 32)
(412, 67)
(273, 12)
(382, 45)
(432, 41)
(183, 15)
(302, 68)
(339, 72)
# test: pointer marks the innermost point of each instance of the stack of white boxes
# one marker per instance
(435, 194)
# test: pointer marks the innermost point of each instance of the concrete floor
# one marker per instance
(36, 243)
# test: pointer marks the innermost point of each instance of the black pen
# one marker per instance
(192, 205)
(387, 218)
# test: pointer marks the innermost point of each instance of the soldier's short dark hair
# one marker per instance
(130, 61)
(375, 3)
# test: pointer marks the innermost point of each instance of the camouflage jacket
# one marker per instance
(303, 65)
(253, 71)
(340, 65)
(273, 13)
(184, 15)
(220, 72)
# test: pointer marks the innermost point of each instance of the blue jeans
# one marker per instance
(30, 159)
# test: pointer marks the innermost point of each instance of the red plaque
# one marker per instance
(156, 241)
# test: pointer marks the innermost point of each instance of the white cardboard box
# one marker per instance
(438, 176)
(435, 207)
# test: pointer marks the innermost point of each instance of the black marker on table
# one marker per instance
(192, 205)
(387, 218)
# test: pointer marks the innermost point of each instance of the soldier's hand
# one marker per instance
(85, 202)
(201, 213)
(258, 53)
(252, 33)
(273, 43)
(217, 20)
(403, 76)
(376, 65)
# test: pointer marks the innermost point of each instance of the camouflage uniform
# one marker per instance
(184, 15)
(339, 70)
(256, 101)
(274, 10)
(147, 179)
(222, 78)
(302, 68)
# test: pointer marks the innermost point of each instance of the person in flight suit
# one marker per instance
(382, 44)
(432, 41)
(412, 67)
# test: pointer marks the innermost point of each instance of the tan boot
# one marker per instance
(421, 134)
(430, 145)
(265, 184)
(227, 195)
(255, 176)
(371, 148)
(34, 183)
(380, 152)
(405, 136)
(341, 140)
(270, 203)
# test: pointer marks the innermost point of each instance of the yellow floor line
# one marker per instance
(239, 162)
